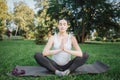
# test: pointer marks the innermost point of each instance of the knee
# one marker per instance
(37, 55)
(83, 58)
(85, 55)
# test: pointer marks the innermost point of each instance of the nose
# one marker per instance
(62, 27)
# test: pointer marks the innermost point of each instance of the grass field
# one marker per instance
(21, 52)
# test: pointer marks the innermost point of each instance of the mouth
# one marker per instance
(62, 29)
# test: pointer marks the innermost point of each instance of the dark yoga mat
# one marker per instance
(95, 68)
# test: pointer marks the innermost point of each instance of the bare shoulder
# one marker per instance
(51, 38)
(73, 38)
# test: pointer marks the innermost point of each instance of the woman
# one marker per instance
(61, 44)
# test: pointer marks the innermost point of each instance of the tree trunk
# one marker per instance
(83, 33)
(78, 38)
(16, 31)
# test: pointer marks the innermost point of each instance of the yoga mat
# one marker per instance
(95, 68)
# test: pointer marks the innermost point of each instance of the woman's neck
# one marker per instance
(62, 33)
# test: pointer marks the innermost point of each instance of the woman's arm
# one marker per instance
(77, 51)
(47, 51)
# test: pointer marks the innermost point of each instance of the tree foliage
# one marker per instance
(83, 16)
(24, 19)
(86, 15)
(45, 25)
(3, 17)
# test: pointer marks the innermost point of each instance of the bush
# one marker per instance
(16, 37)
(109, 39)
(5, 37)
(40, 42)
(1, 38)
(98, 39)
(40, 36)
(118, 40)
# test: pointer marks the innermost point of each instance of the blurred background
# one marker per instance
(89, 20)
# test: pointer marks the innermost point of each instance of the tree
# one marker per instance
(86, 15)
(105, 19)
(45, 24)
(24, 19)
(3, 17)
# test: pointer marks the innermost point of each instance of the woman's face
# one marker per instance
(62, 26)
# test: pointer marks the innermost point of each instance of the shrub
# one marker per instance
(16, 37)
(109, 39)
(5, 37)
(1, 38)
(98, 39)
(118, 40)
(40, 36)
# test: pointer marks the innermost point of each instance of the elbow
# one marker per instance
(45, 54)
(80, 54)
(84, 55)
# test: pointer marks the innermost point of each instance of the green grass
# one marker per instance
(20, 52)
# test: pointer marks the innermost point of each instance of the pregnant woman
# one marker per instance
(61, 46)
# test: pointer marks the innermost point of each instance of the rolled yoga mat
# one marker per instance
(95, 68)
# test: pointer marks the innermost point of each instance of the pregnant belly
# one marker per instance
(61, 58)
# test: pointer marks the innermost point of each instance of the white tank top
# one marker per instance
(62, 57)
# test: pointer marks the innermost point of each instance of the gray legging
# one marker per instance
(53, 66)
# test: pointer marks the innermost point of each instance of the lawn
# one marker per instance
(20, 52)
